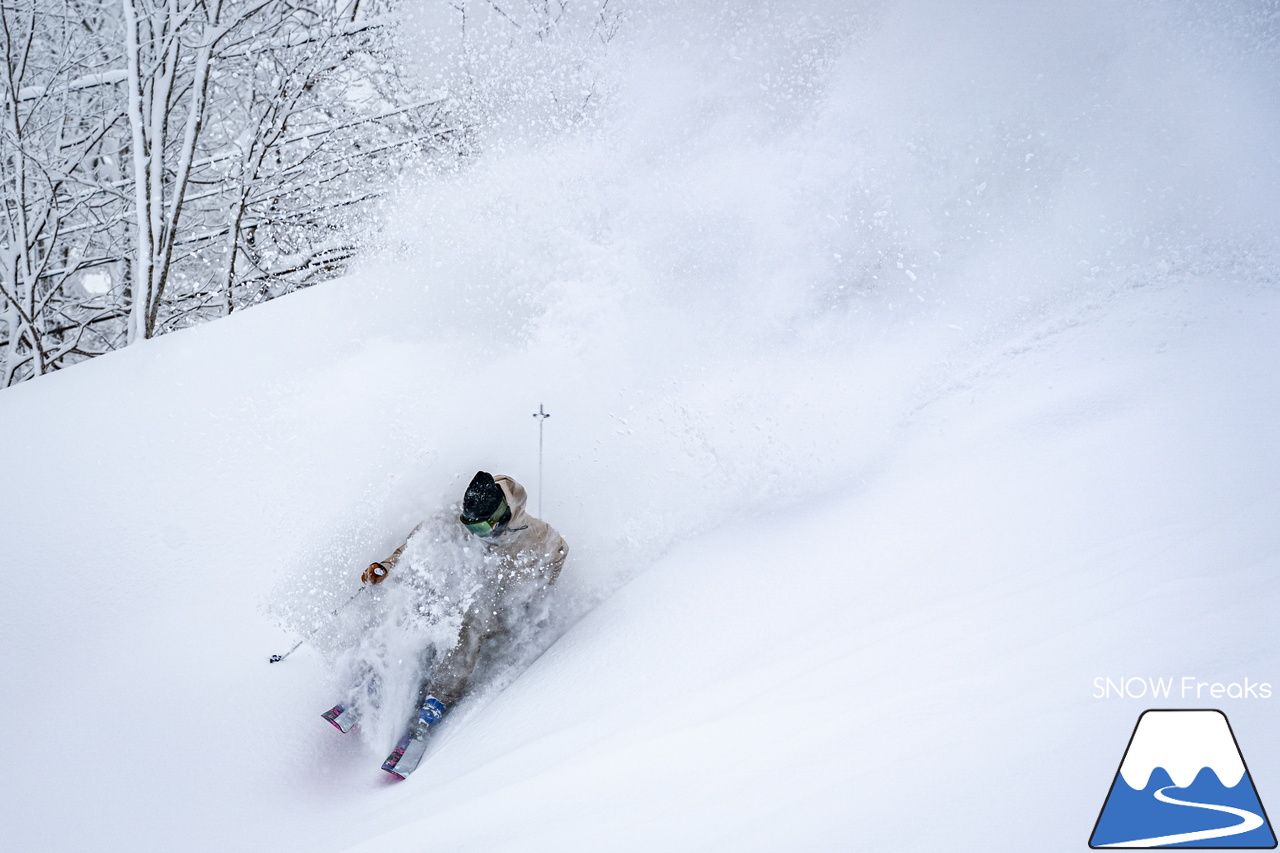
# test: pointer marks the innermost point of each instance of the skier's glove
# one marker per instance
(376, 573)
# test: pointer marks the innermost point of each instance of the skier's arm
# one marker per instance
(377, 572)
(556, 556)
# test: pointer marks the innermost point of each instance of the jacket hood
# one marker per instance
(516, 499)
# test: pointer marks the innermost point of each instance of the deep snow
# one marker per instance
(895, 399)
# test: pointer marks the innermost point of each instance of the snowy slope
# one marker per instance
(925, 641)
(926, 644)
(893, 403)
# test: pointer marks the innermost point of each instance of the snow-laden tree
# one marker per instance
(334, 126)
(164, 162)
(256, 126)
(60, 179)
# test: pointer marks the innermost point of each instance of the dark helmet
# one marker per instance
(484, 507)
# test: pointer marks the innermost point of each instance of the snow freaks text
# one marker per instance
(1186, 687)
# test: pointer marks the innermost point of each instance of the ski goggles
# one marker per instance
(486, 526)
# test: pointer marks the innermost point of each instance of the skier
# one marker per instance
(526, 554)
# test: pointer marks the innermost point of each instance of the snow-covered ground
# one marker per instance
(910, 369)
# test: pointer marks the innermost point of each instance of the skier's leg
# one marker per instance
(449, 681)
(437, 693)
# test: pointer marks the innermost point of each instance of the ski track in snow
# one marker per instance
(1248, 822)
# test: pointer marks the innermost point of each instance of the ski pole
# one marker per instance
(312, 633)
(541, 416)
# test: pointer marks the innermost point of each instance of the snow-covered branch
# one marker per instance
(164, 162)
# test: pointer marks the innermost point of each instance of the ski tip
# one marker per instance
(393, 774)
(334, 716)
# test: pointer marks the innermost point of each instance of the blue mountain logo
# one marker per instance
(1183, 783)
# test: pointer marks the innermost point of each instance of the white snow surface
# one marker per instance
(1183, 743)
(910, 367)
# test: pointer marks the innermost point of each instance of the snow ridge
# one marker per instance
(1183, 743)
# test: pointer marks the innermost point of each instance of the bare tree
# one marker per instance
(261, 131)
(169, 45)
(56, 110)
(164, 162)
(335, 125)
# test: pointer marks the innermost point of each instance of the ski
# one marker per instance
(341, 718)
(404, 759)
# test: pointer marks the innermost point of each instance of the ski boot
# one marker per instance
(404, 759)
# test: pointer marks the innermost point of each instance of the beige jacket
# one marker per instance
(528, 546)
(531, 554)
